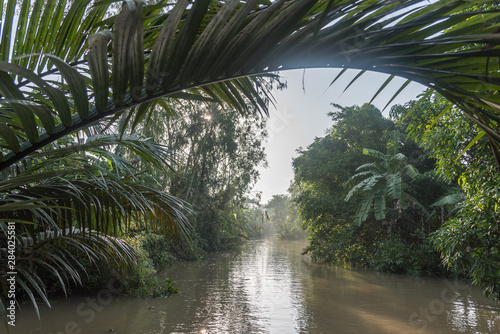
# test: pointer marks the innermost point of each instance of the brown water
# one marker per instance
(267, 286)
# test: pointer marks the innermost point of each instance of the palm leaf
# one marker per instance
(410, 171)
(472, 142)
(374, 153)
(373, 165)
(357, 187)
(226, 41)
(53, 251)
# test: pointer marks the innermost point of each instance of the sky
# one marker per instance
(301, 111)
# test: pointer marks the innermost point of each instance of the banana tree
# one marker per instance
(384, 179)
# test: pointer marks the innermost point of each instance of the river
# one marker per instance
(267, 286)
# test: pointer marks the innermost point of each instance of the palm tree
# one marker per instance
(59, 72)
(77, 198)
(384, 180)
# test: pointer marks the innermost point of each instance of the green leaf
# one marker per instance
(28, 291)
(452, 199)
(382, 88)
(27, 109)
(472, 142)
(428, 93)
(394, 189)
(379, 206)
(10, 138)
(29, 39)
(137, 58)
(21, 28)
(124, 35)
(57, 98)
(354, 80)
(76, 85)
(364, 209)
(441, 114)
(197, 53)
(97, 58)
(7, 25)
(191, 97)
(156, 71)
(223, 39)
(184, 41)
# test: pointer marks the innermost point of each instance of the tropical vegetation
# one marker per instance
(468, 239)
(77, 78)
(218, 153)
(425, 210)
(384, 180)
(282, 214)
(382, 221)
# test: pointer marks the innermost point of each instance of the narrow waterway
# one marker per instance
(267, 286)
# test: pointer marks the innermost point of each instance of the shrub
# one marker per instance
(413, 259)
(154, 254)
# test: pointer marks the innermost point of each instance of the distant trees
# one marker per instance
(281, 212)
(459, 224)
(217, 154)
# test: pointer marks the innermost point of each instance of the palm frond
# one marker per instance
(379, 206)
(373, 182)
(364, 209)
(374, 153)
(357, 187)
(364, 173)
(54, 252)
(215, 45)
(373, 165)
(86, 183)
(102, 145)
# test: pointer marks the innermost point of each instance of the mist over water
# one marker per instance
(267, 286)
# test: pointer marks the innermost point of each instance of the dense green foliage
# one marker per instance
(394, 237)
(469, 240)
(384, 180)
(74, 202)
(428, 216)
(217, 154)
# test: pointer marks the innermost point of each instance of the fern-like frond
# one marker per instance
(221, 51)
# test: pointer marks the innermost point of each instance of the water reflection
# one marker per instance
(269, 287)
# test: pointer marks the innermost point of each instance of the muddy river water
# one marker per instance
(267, 286)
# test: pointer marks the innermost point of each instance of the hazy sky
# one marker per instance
(301, 116)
